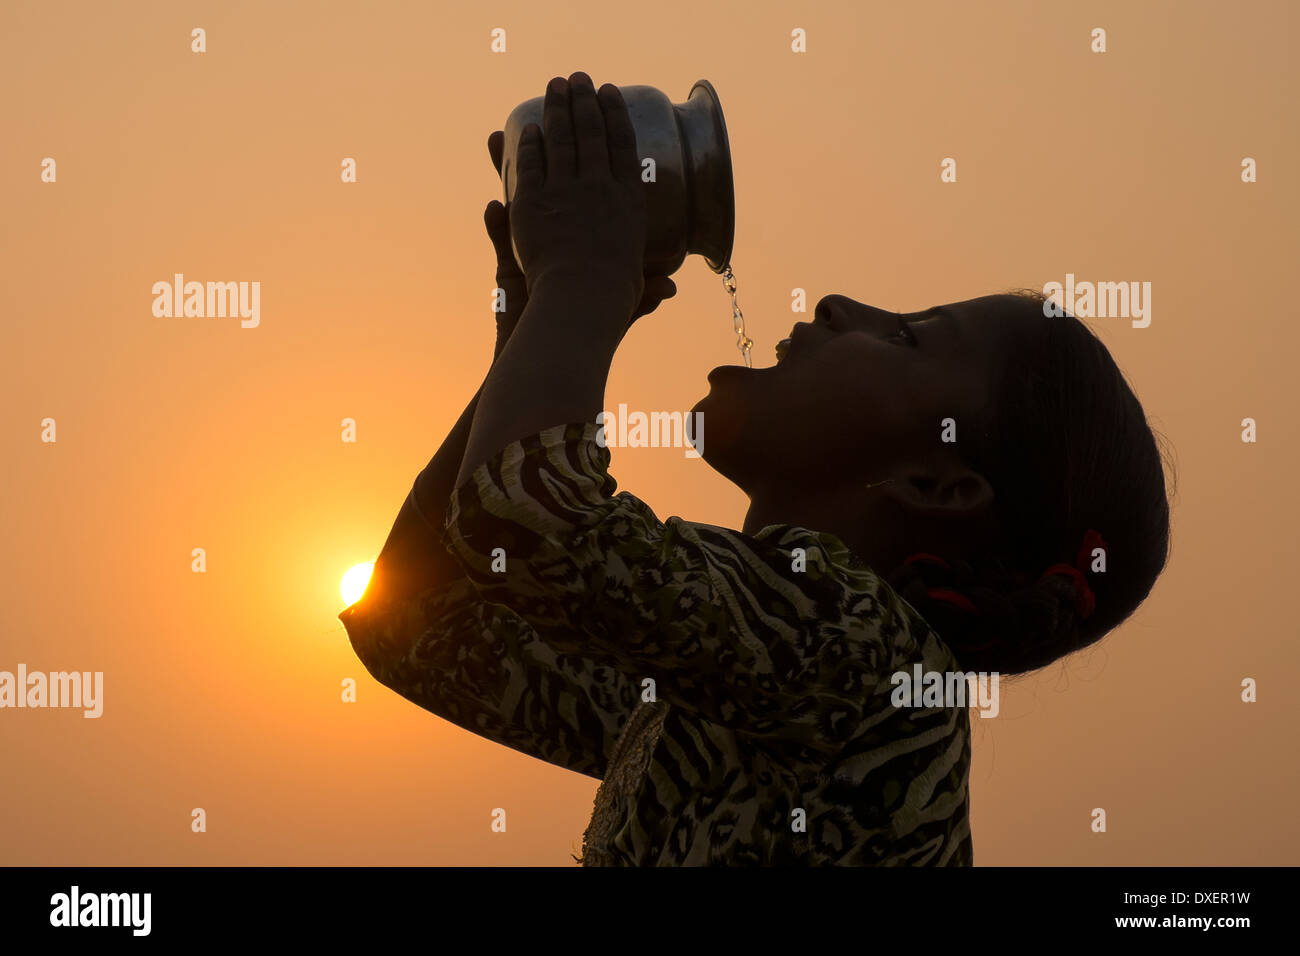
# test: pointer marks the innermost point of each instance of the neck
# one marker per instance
(857, 518)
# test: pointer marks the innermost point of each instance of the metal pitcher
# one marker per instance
(691, 207)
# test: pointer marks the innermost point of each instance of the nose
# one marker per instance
(842, 314)
(830, 309)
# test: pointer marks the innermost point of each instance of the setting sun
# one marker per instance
(354, 582)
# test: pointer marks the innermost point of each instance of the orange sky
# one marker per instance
(222, 689)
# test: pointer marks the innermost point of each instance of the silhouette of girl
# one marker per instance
(969, 488)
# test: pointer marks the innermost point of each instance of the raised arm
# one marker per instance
(424, 632)
(412, 557)
(555, 368)
(579, 221)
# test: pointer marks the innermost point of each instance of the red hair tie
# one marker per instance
(1085, 602)
(955, 598)
(949, 596)
(959, 600)
(946, 595)
(925, 556)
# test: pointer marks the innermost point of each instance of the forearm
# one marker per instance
(554, 368)
(434, 485)
(413, 557)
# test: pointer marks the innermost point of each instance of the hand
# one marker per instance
(496, 217)
(579, 205)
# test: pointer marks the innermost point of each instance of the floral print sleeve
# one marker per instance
(761, 639)
(771, 737)
(484, 669)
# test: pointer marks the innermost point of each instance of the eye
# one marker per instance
(904, 333)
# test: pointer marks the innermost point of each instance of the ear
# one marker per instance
(954, 491)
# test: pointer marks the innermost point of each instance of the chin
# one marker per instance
(725, 420)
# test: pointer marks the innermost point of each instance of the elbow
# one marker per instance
(370, 642)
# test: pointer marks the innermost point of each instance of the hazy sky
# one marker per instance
(222, 689)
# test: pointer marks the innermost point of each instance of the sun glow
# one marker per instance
(354, 582)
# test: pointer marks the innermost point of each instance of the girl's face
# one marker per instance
(861, 394)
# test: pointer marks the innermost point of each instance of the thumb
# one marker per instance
(496, 220)
(660, 287)
(655, 290)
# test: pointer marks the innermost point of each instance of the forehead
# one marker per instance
(988, 322)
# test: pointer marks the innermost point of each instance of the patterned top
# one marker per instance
(732, 691)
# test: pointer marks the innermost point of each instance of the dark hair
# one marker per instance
(1067, 448)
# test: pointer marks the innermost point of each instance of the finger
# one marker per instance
(497, 219)
(588, 125)
(623, 161)
(497, 148)
(530, 162)
(561, 159)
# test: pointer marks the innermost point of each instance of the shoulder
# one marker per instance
(800, 574)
